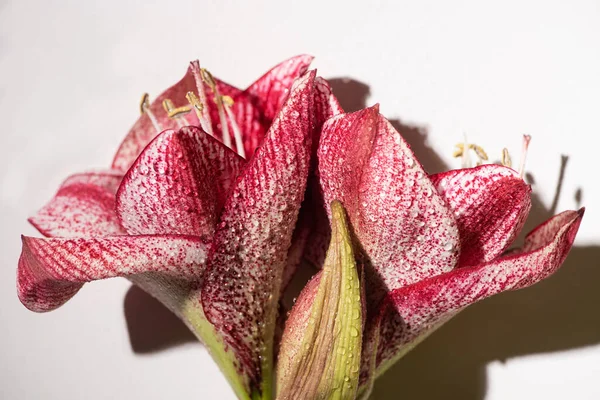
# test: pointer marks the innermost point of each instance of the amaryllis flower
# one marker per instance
(188, 219)
(429, 246)
(202, 209)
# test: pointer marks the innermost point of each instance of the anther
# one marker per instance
(145, 109)
(176, 113)
(506, 161)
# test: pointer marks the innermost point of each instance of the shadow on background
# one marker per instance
(559, 313)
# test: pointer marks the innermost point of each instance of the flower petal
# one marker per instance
(406, 229)
(320, 350)
(415, 311)
(490, 204)
(51, 271)
(177, 185)
(83, 206)
(272, 89)
(240, 293)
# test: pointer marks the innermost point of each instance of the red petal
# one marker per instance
(490, 204)
(250, 246)
(404, 226)
(83, 206)
(271, 89)
(51, 271)
(177, 185)
(415, 311)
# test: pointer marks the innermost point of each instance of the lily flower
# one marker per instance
(429, 245)
(191, 222)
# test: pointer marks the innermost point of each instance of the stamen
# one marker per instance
(526, 140)
(461, 152)
(237, 133)
(176, 113)
(145, 109)
(466, 160)
(218, 99)
(506, 161)
(199, 103)
(460, 147)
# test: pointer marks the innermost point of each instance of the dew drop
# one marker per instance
(448, 246)
(354, 332)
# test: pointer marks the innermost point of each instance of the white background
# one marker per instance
(71, 74)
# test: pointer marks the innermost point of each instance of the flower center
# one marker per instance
(463, 149)
(199, 104)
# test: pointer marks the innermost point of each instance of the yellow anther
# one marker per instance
(144, 103)
(460, 148)
(195, 102)
(168, 105)
(208, 78)
(506, 161)
(174, 112)
(179, 111)
(228, 101)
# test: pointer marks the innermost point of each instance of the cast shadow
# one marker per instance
(151, 326)
(554, 315)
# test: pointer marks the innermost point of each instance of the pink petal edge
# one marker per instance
(83, 206)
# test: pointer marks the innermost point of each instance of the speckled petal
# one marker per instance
(416, 310)
(403, 225)
(177, 185)
(490, 204)
(83, 206)
(252, 239)
(51, 271)
(272, 89)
